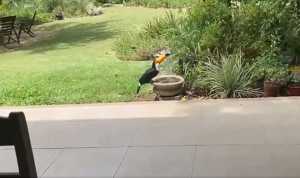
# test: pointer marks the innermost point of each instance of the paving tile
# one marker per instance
(286, 160)
(162, 132)
(87, 162)
(158, 162)
(201, 131)
(89, 133)
(233, 161)
(241, 130)
(282, 130)
(43, 159)
(8, 161)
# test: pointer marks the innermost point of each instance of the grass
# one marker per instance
(75, 63)
(162, 3)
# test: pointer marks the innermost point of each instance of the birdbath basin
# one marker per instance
(168, 85)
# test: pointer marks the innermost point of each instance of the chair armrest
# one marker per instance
(9, 175)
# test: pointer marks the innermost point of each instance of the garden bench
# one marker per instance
(26, 27)
(14, 132)
(7, 29)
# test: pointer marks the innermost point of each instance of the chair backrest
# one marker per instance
(14, 132)
(7, 25)
(33, 19)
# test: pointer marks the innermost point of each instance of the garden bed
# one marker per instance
(226, 49)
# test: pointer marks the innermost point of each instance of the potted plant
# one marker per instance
(293, 88)
(275, 79)
(272, 72)
(271, 88)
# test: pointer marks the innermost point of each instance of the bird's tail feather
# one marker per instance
(138, 89)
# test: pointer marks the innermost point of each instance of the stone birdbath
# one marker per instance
(168, 86)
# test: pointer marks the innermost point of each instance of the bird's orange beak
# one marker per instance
(160, 59)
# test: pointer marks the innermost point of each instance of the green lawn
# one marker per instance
(75, 63)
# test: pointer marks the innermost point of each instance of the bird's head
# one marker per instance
(162, 56)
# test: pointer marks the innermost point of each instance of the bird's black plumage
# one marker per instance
(154, 70)
(148, 76)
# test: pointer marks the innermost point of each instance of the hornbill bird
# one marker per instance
(154, 70)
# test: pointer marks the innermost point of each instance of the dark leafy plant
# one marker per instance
(271, 68)
(293, 80)
(132, 46)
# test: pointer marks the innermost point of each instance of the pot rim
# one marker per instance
(294, 86)
(179, 82)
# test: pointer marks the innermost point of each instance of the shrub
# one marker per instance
(132, 46)
(202, 30)
(140, 46)
(46, 8)
(232, 77)
(270, 67)
(165, 26)
(24, 10)
(70, 7)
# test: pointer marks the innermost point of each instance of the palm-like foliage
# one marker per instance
(230, 77)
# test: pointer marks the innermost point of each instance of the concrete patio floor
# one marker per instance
(205, 139)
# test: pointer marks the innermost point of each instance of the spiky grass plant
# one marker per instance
(230, 77)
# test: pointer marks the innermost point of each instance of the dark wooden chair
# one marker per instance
(26, 27)
(7, 29)
(14, 132)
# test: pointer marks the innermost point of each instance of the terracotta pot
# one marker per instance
(271, 89)
(294, 90)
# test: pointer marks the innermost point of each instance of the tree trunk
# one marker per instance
(298, 8)
(228, 2)
(1, 40)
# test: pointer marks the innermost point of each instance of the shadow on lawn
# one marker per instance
(72, 35)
